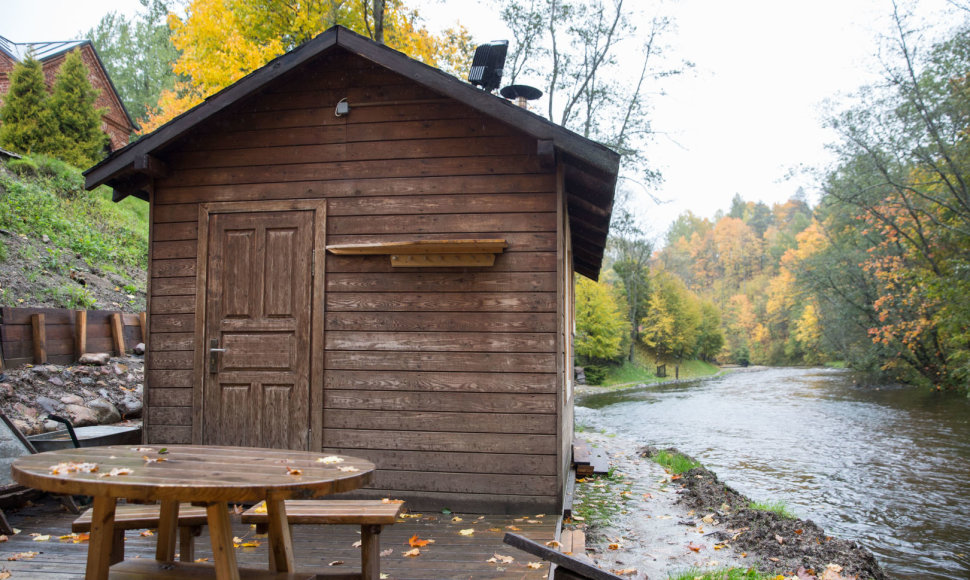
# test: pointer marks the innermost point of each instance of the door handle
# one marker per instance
(214, 351)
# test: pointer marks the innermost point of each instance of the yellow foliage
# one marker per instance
(221, 41)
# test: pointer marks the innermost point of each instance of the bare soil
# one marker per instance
(38, 274)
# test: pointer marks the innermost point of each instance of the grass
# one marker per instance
(41, 196)
(600, 497)
(777, 507)
(675, 462)
(643, 370)
(723, 574)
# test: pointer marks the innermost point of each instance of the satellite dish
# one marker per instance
(522, 94)
(488, 65)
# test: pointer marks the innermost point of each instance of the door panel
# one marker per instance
(258, 308)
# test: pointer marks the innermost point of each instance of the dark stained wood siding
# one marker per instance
(445, 378)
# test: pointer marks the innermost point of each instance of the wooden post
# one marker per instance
(80, 333)
(118, 333)
(39, 339)
(143, 323)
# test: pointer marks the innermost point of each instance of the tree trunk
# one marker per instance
(379, 21)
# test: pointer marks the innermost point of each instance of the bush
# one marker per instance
(595, 374)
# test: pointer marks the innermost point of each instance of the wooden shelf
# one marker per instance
(429, 253)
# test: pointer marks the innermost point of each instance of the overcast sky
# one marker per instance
(748, 115)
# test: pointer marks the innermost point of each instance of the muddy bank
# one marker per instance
(774, 543)
(668, 524)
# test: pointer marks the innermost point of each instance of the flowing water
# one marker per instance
(888, 467)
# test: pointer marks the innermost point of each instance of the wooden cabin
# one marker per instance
(393, 282)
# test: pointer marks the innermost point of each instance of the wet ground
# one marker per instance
(670, 524)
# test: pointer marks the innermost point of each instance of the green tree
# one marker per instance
(630, 250)
(79, 139)
(26, 123)
(601, 325)
(138, 54)
(710, 337)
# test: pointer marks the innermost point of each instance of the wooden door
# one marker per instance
(257, 329)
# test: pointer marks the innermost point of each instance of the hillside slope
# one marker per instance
(63, 247)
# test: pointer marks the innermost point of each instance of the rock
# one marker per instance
(104, 411)
(81, 416)
(22, 426)
(51, 426)
(29, 413)
(87, 381)
(56, 381)
(49, 405)
(45, 239)
(580, 375)
(130, 406)
(139, 348)
(94, 358)
(120, 369)
(6, 390)
(72, 400)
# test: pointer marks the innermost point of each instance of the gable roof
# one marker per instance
(44, 51)
(590, 169)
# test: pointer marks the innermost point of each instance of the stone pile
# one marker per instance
(107, 391)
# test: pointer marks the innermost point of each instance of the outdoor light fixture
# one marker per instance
(343, 107)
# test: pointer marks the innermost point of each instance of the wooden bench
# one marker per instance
(140, 517)
(567, 567)
(370, 515)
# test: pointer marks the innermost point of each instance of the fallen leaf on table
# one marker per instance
(348, 468)
(5, 574)
(357, 544)
(117, 471)
(330, 459)
(72, 467)
(3, 538)
(260, 508)
(412, 553)
(143, 449)
(540, 515)
(41, 537)
(293, 471)
(384, 576)
(416, 542)
(513, 528)
(614, 547)
(237, 509)
(336, 563)
(22, 556)
(533, 521)
(457, 519)
(500, 558)
(389, 500)
(553, 544)
(495, 529)
(466, 532)
(387, 552)
(201, 560)
(153, 459)
(147, 533)
(534, 565)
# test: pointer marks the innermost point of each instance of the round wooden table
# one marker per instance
(213, 476)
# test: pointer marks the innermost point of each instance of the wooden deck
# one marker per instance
(452, 555)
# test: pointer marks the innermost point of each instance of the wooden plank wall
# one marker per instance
(446, 378)
(16, 334)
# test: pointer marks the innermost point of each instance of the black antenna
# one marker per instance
(488, 64)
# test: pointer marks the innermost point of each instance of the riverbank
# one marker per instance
(667, 524)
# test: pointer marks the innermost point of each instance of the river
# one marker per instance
(888, 467)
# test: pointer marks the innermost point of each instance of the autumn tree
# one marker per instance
(79, 139)
(26, 123)
(220, 41)
(600, 322)
(899, 203)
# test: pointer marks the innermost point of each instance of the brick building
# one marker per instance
(116, 122)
